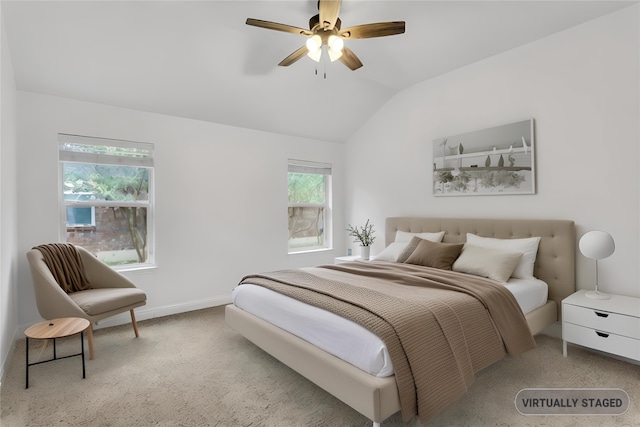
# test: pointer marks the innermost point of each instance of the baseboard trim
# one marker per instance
(7, 359)
(146, 313)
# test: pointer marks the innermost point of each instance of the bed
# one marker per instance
(377, 396)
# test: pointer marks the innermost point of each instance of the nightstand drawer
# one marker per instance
(627, 326)
(599, 340)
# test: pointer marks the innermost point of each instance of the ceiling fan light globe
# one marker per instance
(314, 43)
(315, 54)
(335, 43)
(334, 54)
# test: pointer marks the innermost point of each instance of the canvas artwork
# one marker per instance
(498, 160)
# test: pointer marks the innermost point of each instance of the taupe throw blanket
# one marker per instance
(64, 262)
(423, 325)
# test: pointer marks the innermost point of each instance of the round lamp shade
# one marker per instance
(597, 244)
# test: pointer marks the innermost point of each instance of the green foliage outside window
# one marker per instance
(306, 188)
(107, 182)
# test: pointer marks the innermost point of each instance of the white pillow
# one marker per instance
(487, 262)
(527, 247)
(404, 236)
(391, 252)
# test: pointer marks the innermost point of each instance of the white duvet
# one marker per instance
(344, 338)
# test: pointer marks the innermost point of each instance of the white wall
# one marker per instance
(221, 197)
(8, 211)
(581, 86)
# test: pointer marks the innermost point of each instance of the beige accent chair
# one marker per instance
(111, 293)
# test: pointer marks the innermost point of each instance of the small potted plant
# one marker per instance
(364, 236)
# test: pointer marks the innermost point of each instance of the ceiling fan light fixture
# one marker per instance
(314, 45)
(325, 36)
(315, 55)
(335, 43)
(334, 54)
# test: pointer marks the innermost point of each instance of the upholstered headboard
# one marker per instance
(555, 262)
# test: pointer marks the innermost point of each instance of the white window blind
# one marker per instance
(83, 149)
(301, 166)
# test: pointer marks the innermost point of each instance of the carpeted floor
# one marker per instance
(192, 370)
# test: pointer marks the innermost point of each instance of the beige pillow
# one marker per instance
(528, 247)
(487, 262)
(436, 255)
(408, 249)
(391, 252)
(405, 236)
(413, 239)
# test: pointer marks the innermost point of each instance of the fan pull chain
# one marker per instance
(324, 59)
(324, 70)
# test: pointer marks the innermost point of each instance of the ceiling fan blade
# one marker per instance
(378, 29)
(350, 59)
(329, 11)
(278, 27)
(295, 56)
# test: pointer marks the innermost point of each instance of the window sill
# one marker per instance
(72, 228)
(141, 268)
(310, 251)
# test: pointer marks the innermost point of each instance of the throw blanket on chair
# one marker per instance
(64, 262)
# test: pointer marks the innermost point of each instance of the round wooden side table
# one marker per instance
(53, 329)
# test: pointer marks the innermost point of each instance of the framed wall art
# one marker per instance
(494, 161)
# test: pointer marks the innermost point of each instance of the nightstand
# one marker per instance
(611, 325)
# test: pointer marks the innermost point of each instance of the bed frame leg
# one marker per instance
(375, 424)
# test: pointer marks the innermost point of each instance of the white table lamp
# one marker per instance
(597, 245)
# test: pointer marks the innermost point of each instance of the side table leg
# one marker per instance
(90, 339)
(82, 353)
(564, 348)
(26, 351)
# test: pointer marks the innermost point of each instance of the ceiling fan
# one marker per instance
(326, 35)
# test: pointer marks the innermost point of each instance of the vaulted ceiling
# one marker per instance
(198, 59)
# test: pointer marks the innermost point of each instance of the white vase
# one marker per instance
(365, 252)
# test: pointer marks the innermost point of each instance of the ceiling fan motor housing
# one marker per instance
(314, 24)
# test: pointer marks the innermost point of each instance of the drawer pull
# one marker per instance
(602, 334)
(602, 314)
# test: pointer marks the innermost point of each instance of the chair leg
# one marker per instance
(90, 339)
(133, 322)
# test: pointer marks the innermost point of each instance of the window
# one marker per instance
(106, 194)
(309, 207)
